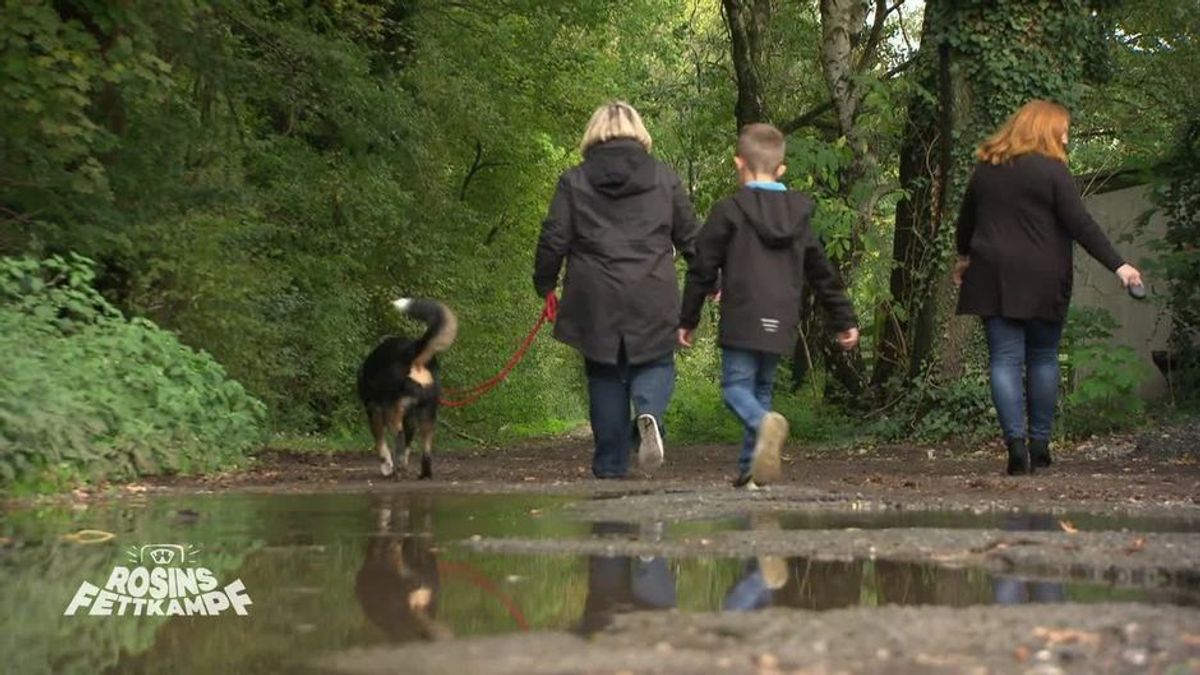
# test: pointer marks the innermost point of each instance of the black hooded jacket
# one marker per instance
(618, 219)
(761, 246)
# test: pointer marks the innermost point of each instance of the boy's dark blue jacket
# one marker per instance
(761, 246)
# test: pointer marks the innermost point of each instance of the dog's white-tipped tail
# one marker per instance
(443, 326)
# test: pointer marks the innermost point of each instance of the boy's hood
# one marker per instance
(619, 168)
(778, 217)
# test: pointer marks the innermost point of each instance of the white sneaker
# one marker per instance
(772, 432)
(650, 447)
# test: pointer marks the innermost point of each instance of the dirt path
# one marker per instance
(1158, 470)
(1032, 639)
(1136, 501)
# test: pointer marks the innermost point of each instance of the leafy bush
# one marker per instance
(934, 408)
(698, 414)
(1179, 260)
(86, 394)
(1101, 379)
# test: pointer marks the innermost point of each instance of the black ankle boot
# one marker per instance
(1018, 458)
(1039, 454)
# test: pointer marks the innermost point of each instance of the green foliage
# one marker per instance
(86, 394)
(935, 409)
(262, 178)
(1101, 379)
(1178, 259)
(698, 414)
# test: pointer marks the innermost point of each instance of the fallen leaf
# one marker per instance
(1021, 654)
(1067, 527)
(1137, 545)
(1055, 636)
(768, 661)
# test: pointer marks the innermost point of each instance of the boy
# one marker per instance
(760, 244)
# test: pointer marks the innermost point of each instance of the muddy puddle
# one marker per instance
(320, 574)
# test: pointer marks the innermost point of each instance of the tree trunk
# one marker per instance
(747, 23)
(841, 22)
(926, 161)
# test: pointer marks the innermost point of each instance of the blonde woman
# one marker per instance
(617, 219)
(1020, 218)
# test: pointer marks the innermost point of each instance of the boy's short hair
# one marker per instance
(761, 147)
(616, 119)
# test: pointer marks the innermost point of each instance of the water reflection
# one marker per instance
(397, 585)
(329, 572)
(1012, 591)
(619, 584)
(627, 583)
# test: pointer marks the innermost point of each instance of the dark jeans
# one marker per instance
(1024, 365)
(611, 390)
(747, 378)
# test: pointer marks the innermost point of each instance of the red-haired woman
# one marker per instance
(1020, 217)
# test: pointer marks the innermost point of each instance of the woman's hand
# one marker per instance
(960, 268)
(1129, 275)
(685, 337)
(848, 339)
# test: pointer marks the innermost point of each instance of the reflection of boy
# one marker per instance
(757, 587)
(763, 575)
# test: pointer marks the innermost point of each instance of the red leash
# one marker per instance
(472, 394)
(447, 568)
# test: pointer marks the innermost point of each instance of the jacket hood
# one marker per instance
(619, 168)
(777, 217)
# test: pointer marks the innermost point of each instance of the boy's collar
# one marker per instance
(772, 185)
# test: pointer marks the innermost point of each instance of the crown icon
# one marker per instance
(162, 554)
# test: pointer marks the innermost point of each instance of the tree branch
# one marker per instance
(476, 166)
(809, 117)
(882, 12)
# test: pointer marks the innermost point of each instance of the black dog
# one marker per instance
(398, 384)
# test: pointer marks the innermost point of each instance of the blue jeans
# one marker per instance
(747, 378)
(611, 390)
(751, 592)
(1024, 368)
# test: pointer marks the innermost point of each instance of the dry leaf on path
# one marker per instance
(1056, 636)
(1136, 545)
(1067, 527)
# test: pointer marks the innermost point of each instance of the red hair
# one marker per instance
(1038, 126)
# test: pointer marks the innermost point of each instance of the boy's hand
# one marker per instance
(848, 339)
(685, 337)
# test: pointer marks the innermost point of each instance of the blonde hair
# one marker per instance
(1038, 126)
(761, 147)
(612, 120)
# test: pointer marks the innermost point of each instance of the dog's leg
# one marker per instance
(379, 429)
(398, 413)
(428, 425)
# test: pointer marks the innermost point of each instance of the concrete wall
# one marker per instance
(1144, 325)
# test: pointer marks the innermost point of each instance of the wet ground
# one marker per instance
(894, 560)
